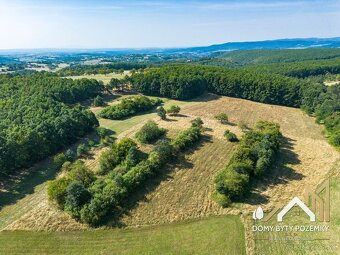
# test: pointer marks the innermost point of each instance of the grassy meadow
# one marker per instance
(213, 235)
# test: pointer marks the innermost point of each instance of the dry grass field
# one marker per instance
(101, 77)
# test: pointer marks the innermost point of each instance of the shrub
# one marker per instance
(70, 155)
(161, 112)
(222, 117)
(133, 157)
(150, 132)
(186, 138)
(230, 136)
(57, 190)
(59, 159)
(98, 101)
(82, 149)
(198, 122)
(81, 173)
(174, 110)
(112, 157)
(76, 197)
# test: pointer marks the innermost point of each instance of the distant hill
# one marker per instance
(308, 43)
(270, 44)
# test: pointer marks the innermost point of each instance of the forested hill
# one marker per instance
(270, 56)
(37, 120)
(188, 81)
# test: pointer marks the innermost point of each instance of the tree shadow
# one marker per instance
(20, 183)
(114, 217)
(281, 173)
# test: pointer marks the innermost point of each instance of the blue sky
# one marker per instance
(126, 24)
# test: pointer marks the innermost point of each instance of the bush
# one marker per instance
(98, 101)
(59, 159)
(161, 112)
(133, 157)
(112, 157)
(174, 110)
(57, 190)
(230, 136)
(76, 197)
(186, 138)
(198, 122)
(70, 155)
(150, 132)
(82, 149)
(81, 173)
(222, 117)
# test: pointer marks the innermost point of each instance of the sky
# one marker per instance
(26, 24)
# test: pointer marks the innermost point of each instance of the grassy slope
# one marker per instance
(330, 246)
(214, 235)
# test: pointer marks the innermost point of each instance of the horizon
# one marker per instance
(110, 24)
(164, 48)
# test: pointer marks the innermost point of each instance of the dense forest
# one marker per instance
(259, 57)
(186, 82)
(36, 118)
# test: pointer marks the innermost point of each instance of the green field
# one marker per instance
(214, 235)
(101, 77)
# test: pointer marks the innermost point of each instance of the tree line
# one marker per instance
(89, 198)
(129, 106)
(253, 158)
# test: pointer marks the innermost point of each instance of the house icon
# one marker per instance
(293, 202)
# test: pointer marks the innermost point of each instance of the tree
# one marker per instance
(114, 83)
(57, 190)
(81, 173)
(76, 196)
(133, 157)
(174, 110)
(230, 136)
(59, 159)
(98, 101)
(82, 149)
(222, 117)
(150, 132)
(197, 122)
(161, 112)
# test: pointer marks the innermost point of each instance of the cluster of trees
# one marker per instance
(150, 132)
(90, 199)
(188, 81)
(254, 156)
(100, 68)
(129, 106)
(35, 120)
(327, 112)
